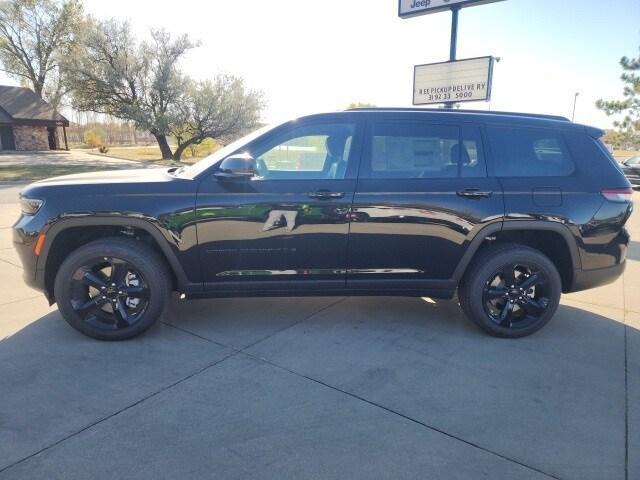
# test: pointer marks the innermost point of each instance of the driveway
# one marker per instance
(61, 158)
(320, 388)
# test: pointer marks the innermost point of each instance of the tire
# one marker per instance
(112, 288)
(488, 299)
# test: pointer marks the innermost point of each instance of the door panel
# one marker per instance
(273, 230)
(417, 229)
(289, 224)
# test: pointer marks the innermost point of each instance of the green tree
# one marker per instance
(222, 109)
(629, 106)
(136, 81)
(353, 105)
(35, 37)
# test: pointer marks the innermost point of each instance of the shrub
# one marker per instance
(92, 138)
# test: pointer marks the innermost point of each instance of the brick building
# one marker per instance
(29, 123)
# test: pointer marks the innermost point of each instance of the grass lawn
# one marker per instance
(31, 173)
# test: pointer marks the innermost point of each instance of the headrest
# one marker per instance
(459, 152)
(335, 145)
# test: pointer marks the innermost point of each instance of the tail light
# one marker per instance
(619, 195)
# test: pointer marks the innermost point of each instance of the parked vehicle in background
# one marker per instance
(631, 169)
(507, 210)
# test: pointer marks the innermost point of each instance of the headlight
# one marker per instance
(30, 206)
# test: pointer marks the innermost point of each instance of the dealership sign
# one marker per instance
(452, 82)
(409, 8)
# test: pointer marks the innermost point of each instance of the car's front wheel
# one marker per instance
(113, 288)
(511, 290)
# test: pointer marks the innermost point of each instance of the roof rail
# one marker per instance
(441, 110)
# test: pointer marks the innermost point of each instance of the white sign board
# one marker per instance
(460, 81)
(410, 8)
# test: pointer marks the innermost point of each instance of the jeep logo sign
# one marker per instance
(410, 8)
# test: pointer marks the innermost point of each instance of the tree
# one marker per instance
(629, 127)
(353, 105)
(138, 82)
(35, 36)
(223, 109)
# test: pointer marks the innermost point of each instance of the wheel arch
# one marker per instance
(525, 232)
(56, 233)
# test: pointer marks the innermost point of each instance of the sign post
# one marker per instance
(455, 10)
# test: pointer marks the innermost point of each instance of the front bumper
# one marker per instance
(25, 234)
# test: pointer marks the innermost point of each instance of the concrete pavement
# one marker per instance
(71, 157)
(321, 388)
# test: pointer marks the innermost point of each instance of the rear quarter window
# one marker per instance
(529, 152)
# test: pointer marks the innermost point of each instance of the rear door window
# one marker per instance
(529, 152)
(421, 150)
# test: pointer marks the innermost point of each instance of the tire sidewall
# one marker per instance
(144, 260)
(490, 264)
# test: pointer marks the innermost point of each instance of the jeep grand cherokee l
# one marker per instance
(505, 210)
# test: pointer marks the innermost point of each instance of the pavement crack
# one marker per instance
(118, 412)
(267, 337)
(234, 352)
(626, 381)
(406, 417)
(10, 263)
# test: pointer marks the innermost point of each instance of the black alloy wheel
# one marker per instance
(113, 288)
(109, 293)
(516, 296)
(510, 290)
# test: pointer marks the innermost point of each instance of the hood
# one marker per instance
(139, 175)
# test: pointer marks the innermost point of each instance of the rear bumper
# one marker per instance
(587, 279)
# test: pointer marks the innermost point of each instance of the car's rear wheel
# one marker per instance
(112, 289)
(511, 290)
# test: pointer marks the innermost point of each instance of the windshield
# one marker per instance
(196, 169)
(633, 162)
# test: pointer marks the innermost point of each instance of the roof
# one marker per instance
(22, 105)
(494, 113)
(492, 117)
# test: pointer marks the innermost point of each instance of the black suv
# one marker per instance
(508, 210)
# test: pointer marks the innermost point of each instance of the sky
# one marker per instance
(320, 55)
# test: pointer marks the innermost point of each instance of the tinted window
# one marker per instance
(306, 152)
(472, 154)
(529, 152)
(633, 162)
(414, 150)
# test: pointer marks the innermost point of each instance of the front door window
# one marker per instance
(311, 152)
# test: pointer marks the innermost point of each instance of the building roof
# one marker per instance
(22, 105)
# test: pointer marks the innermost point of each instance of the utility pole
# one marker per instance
(575, 101)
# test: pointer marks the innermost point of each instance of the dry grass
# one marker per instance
(152, 153)
(625, 154)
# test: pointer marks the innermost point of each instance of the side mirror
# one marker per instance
(237, 166)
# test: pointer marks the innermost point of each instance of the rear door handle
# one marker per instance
(474, 193)
(325, 194)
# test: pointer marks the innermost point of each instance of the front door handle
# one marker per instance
(325, 194)
(474, 193)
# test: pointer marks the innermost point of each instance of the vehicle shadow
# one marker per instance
(634, 250)
(410, 355)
